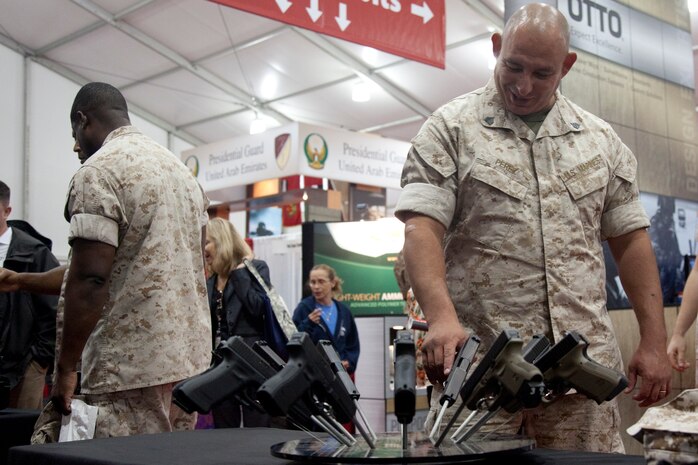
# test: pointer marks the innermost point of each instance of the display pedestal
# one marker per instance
(389, 449)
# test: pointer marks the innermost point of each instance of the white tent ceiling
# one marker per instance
(203, 71)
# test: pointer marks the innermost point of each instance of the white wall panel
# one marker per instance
(149, 129)
(11, 127)
(179, 145)
(370, 373)
(51, 161)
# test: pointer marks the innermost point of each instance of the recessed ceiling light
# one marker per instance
(257, 126)
(361, 92)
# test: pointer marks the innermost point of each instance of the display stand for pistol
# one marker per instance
(502, 379)
(330, 355)
(528, 394)
(456, 379)
(310, 373)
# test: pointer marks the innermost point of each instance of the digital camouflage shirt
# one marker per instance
(155, 327)
(525, 215)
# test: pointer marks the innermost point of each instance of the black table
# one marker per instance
(248, 446)
(16, 428)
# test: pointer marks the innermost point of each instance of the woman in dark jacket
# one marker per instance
(237, 307)
(323, 317)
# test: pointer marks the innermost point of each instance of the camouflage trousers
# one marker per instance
(573, 422)
(139, 411)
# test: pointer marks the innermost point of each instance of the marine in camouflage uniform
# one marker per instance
(143, 211)
(505, 211)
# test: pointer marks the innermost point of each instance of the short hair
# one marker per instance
(332, 274)
(545, 18)
(97, 97)
(4, 193)
(231, 247)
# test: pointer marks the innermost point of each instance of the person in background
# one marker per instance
(676, 350)
(28, 323)
(237, 304)
(324, 317)
(508, 193)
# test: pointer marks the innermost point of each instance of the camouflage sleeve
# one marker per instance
(204, 215)
(623, 211)
(429, 176)
(94, 208)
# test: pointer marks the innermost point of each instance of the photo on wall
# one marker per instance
(265, 222)
(366, 204)
(673, 224)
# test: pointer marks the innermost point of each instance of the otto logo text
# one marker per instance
(608, 18)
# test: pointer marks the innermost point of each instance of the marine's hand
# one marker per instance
(440, 347)
(63, 390)
(676, 350)
(8, 280)
(653, 367)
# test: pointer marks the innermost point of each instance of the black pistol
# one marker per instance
(456, 379)
(305, 373)
(237, 372)
(405, 377)
(503, 380)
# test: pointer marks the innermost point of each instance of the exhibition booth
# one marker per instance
(305, 195)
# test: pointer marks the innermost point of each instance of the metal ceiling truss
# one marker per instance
(250, 102)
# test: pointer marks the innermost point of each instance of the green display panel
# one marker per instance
(363, 254)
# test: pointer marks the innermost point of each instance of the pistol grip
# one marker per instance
(282, 390)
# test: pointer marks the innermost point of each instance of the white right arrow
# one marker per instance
(342, 20)
(283, 5)
(424, 11)
(313, 10)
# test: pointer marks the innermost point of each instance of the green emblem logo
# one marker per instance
(315, 149)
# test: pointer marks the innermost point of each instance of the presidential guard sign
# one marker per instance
(413, 29)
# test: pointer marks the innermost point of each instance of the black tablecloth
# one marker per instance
(16, 428)
(248, 446)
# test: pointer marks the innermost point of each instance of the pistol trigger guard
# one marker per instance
(551, 396)
(486, 402)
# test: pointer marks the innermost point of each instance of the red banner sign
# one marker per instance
(413, 29)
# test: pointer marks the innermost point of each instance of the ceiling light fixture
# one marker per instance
(257, 125)
(269, 85)
(361, 92)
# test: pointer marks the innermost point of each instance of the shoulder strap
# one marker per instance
(250, 266)
(276, 302)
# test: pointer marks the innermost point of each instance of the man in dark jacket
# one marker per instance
(27, 321)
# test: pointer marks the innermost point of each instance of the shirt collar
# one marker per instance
(562, 117)
(6, 237)
(118, 132)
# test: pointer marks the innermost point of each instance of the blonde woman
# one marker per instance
(237, 307)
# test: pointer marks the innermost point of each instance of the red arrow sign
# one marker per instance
(413, 29)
